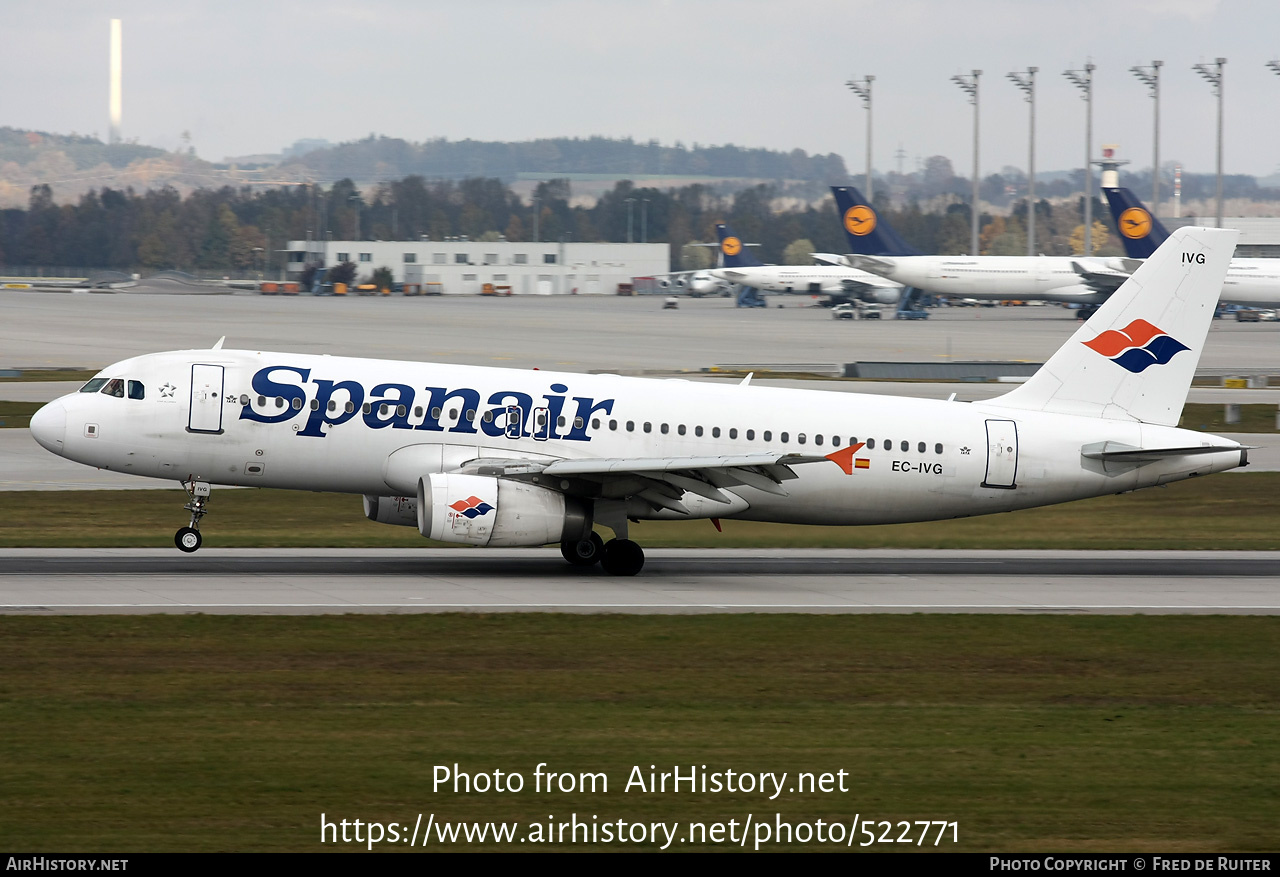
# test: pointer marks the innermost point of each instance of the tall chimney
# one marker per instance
(117, 66)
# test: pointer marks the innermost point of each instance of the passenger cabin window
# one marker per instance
(93, 386)
(871, 444)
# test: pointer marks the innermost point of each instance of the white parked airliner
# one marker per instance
(507, 457)
(1042, 278)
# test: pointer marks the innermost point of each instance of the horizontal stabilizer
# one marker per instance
(1119, 452)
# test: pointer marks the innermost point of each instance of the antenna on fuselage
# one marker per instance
(218, 346)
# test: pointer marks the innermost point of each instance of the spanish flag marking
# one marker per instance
(844, 458)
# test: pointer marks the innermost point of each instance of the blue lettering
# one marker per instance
(404, 396)
(264, 386)
(555, 405)
(586, 407)
(470, 402)
(324, 392)
(498, 426)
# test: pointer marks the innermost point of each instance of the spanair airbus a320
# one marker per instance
(508, 457)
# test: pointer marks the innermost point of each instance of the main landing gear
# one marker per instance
(188, 539)
(619, 557)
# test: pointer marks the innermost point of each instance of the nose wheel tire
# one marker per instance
(622, 557)
(187, 539)
(583, 552)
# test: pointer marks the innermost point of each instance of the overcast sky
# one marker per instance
(247, 77)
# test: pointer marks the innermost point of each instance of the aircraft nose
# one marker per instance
(49, 426)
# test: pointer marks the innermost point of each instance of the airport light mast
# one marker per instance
(1027, 84)
(969, 85)
(1213, 75)
(1083, 80)
(1150, 76)
(862, 88)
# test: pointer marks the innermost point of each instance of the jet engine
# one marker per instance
(401, 510)
(481, 510)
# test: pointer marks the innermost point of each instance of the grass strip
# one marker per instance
(51, 374)
(154, 733)
(1206, 417)
(17, 415)
(1234, 511)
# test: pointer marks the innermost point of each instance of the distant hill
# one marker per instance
(27, 147)
(380, 158)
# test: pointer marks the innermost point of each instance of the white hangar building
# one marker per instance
(464, 266)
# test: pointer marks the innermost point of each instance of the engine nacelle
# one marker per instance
(399, 510)
(480, 510)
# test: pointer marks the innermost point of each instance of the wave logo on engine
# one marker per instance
(471, 507)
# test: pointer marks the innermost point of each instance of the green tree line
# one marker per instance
(244, 229)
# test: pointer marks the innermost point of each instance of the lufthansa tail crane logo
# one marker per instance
(731, 246)
(1135, 223)
(860, 220)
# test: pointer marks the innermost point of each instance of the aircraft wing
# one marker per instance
(660, 481)
(1099, 279)
(872, 264)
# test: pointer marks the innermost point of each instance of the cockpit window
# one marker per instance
(114, 387)
(136, 390)
(93, 386)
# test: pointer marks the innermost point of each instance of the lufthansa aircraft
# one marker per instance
(1049, 278)
(841, 281)
(508, 457)
(1248, 282)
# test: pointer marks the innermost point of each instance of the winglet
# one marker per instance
(844, 457)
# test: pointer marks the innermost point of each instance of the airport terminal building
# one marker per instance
(463, 267)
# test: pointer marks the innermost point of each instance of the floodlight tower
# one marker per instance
(115, 99)
(1213, 75)
(1150, 76)
(1027, 84)
(1083, 80)
(862, 88)
(969, 85)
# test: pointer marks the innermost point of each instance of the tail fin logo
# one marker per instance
(731, 246)
(860, 220)
(1135, 223)
(1137, 346)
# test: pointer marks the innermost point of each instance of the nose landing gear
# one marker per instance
(188, 539)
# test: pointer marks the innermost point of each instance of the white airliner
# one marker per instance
(1249, 281)
(1047, 278)
(507, 457)
(816, 279)
(839, 280)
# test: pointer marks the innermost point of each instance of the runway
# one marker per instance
(674, 581)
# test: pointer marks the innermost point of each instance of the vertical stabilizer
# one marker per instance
(867, 232)
(732, 251)
(1135, 358)
(1140, 231)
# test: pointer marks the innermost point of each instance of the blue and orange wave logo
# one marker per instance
(471, 507)
(1137, 346)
